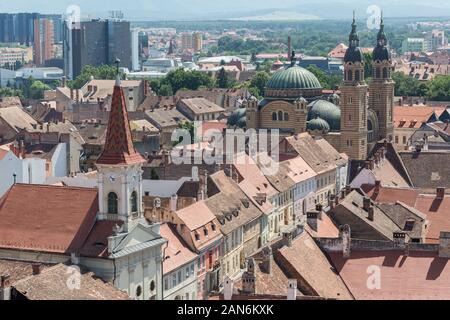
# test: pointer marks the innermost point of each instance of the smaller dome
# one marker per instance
(353, 54)
(242, 122)
(381, 53)
(327, 111)
(318, 124)
(235, 116)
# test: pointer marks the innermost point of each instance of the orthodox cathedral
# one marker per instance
(352, 122)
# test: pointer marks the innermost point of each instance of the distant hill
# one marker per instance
(279, 16)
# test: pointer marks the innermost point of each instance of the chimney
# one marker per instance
(249, 278)
(377, 185)
(367, 165)
(267, 259)
(444, 244)
(343, 194)
(399, 238)
(311, 219)
(345, 234)
(370, 213)
(348, 189)
(5, 289)
(292, 289)
(440, 193)
(228, 288)
(331, 201)
(36, 268)
(173, 202)
(287, 239)
(366, 203)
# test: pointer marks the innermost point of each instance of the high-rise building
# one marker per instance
(414, 45)
(96, 43)
(135, 50)
(435, 40)
(43, 41)
(197, 39)
(186, 41)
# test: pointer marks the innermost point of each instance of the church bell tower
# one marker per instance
(354, 101)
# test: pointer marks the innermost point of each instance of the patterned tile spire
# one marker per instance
(119, 148)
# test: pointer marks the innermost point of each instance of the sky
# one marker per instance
(220, 9)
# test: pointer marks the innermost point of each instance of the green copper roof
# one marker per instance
(237, 117)
(326, 111)
(318, 124)
(293, 78)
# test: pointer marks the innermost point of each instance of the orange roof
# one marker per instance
(325, 228)
(414, 117)
(418, 276)
(119, 148)
(47, 218)
(196, 215)
(177, 252)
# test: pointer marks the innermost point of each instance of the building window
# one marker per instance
(112, 203)
(213, 227)
(133, 202)
(286, 116)
(385, 73)
(152, 286)
(404, 139)
(280, 116)
(166, 284)
(274, 116)
(349, 75)
(138, 291)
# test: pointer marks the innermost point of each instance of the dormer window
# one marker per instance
(205, 231)
(213, 227)
(197, 236)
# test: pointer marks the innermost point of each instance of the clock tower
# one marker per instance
(120, 168)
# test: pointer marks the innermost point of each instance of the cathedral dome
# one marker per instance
(291, 83)
(293, 78)
(326, 111)
(318, 124)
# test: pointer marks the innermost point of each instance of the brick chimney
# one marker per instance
(399, 238)
(440, 193)
(312, 218)
(36, 268)
(267, 259)
(366, 203)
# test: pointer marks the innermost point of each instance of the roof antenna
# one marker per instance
(117, 63)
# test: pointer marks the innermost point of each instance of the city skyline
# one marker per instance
(188, 10)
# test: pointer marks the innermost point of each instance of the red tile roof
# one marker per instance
(47, 218)
(177, 252)
(414, 117)
(119, 148)
(436, 210)
(419, 276)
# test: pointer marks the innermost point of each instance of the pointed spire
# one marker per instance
(381, 37)
(119, 148)
(353, 37)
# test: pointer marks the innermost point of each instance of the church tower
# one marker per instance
(120, 168)
(381, 89)
(354, 101)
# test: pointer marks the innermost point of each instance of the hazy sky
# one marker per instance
(201, 9)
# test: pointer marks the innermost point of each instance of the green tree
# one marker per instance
(10, 92)
(259, 82)
(37, 89)
(439, 88)
(222, 79)
(104, 72)
(154, 175)
(165, 90)
(368, 65)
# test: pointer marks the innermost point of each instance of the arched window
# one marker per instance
(378, 73)
(385, 73)
(357, 77)
(349, 76)
(274, 116)
(280, 115)
(286, 116)
(133, 202)
(112, 203)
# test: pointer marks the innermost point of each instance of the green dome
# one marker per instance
(237, 118)
(326, 111)
(293, 78)
(318, 124)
